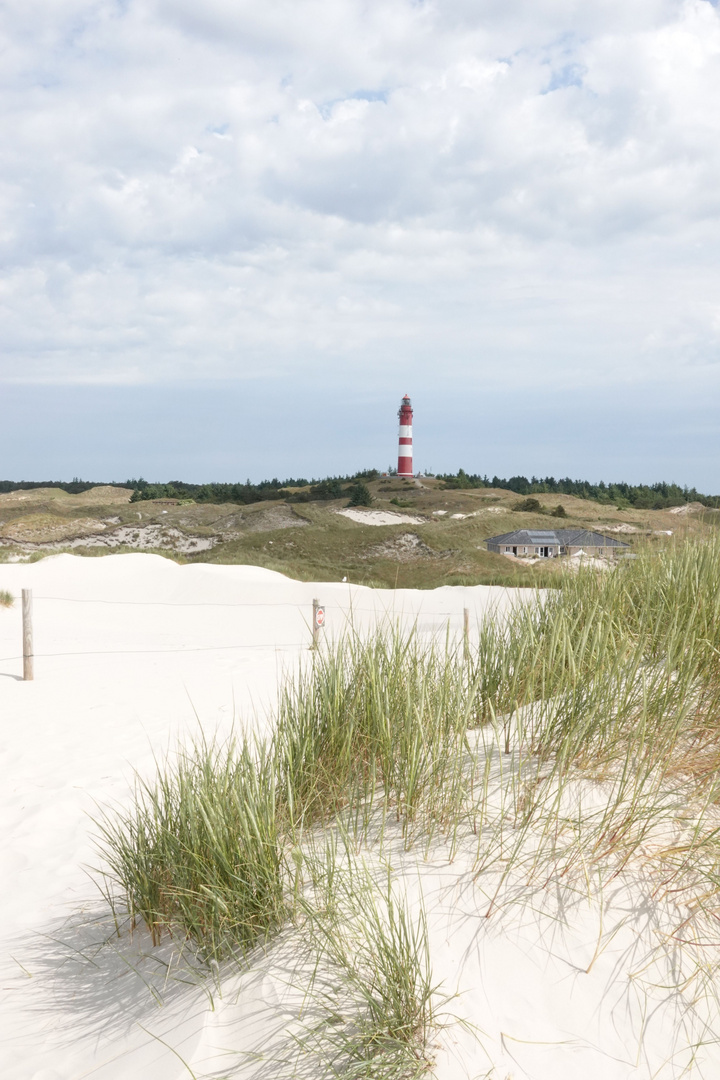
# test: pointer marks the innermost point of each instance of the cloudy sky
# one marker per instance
(235, 233)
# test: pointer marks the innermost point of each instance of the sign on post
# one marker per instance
(318, 621)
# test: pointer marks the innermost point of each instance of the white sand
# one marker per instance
(688, 508)
(380, 517)
(135, 651)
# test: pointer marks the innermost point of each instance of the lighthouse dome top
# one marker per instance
(405, 410)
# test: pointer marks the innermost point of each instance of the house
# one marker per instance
(549, 543)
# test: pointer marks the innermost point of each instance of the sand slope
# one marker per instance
(134, 652)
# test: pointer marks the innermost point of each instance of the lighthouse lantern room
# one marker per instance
(405, 454)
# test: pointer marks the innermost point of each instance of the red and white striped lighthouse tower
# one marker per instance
(405, 415)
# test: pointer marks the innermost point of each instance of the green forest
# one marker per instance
(642, 496)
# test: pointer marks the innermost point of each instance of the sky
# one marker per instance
(234, 234)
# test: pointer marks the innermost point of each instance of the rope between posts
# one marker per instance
(165, 603)
(351, 607)
(144, 652)
(29, 655)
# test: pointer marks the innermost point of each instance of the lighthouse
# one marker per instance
(405, 415)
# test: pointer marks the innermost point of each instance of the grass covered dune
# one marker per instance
(136, 654)
(402, 855)
(489, 858)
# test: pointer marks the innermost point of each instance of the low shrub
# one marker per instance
(360, 494)
(528, 506)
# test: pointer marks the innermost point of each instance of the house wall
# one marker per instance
(606, 551)
(525, 550)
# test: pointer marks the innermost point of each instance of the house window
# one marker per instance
(508, 550)
(524, 551)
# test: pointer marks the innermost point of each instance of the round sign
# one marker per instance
(320, 616)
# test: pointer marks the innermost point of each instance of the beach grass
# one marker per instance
(382, 721)
(576, 740)
(372, 974)
(200, 851)
(6, 598)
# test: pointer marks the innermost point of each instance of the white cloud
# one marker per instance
(228, 189)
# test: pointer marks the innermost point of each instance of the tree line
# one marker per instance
(641, 496)
(294, 490)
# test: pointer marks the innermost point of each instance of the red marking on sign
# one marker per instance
(320, 616)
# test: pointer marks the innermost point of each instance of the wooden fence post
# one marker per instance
(466, 632)
(28, 655)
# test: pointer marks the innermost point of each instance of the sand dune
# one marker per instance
(135, 652)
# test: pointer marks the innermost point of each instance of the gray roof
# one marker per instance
(562, 537)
